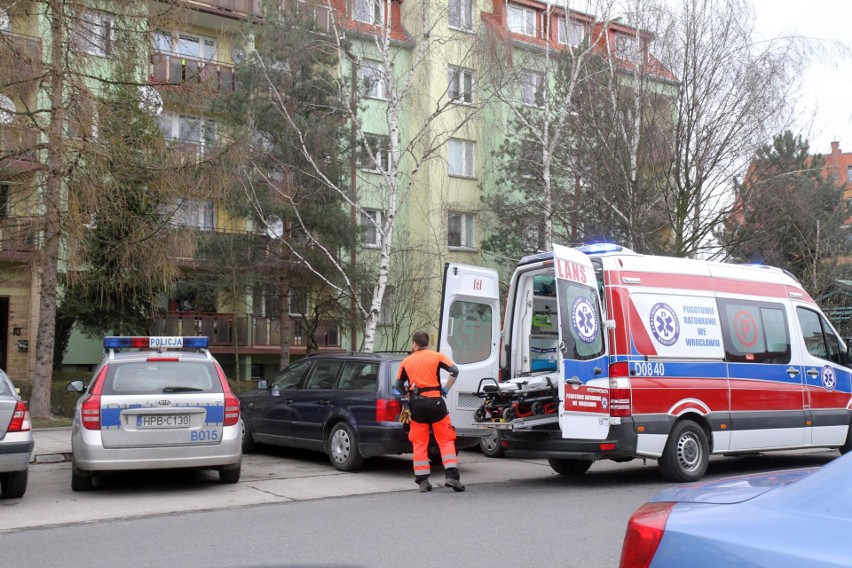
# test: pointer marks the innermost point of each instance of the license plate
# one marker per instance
(163, 421)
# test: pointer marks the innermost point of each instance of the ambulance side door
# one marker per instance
(826, 379)
(469, 334)
(584, 388)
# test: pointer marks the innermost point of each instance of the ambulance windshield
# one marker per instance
(580, 321)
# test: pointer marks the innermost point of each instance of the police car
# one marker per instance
(157, 406)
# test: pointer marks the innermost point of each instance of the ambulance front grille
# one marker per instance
(468, 401)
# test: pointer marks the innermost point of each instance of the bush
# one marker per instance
(62, 402)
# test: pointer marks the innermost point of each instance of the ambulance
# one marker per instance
(648, 357)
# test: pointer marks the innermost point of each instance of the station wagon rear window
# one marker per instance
(147, 377)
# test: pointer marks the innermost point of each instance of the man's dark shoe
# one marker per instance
(455, 484)
(425, 486)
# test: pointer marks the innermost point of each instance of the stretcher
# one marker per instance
(522, 397)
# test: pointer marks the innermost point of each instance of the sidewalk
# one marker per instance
(52, 445)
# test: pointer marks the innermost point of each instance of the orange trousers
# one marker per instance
(445, 435)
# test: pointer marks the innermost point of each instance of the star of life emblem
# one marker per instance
(829, 379)
(664, 324)
(584, 320)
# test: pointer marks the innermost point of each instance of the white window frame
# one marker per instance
(531, 86)
(174, 127)
(380, 161)
(460, 89)
(371, 75)
(207, 46)
(574, 36)
(369, 11)
(626, 46)
(466, 232)
(370, 236)
(461, 158)
(460, 15)
(94, 32)
(5, 21)
(187, 212)
(522, 20)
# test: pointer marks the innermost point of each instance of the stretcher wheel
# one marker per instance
(509, 414)
(480, 415)
(537, 408)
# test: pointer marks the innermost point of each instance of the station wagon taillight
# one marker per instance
(232, 403)
(619, 390)
(20, 419)
(387, 410)
(90, 408)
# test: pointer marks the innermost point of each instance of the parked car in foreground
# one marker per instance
(16, 441)
(783, 519)
(341, 404)
(155, 408)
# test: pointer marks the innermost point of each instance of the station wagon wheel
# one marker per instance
(343, 448)
(568, 467)
(13, 485)
(249, 445)
(686, 454)
(80, 480)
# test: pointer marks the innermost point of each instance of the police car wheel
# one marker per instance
(343, 448)
(569, 467)
(686, 454)
(80, 480)
(490, 446)
(230, 475)
(13, 485)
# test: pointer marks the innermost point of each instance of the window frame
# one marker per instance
(374, 71)
(359, 10)
(378, 217)
(563, 26)
(460, 83)
(525, 13)
(87, 22)
(467, 158)
(464, 14)
(537, 88)
(466, 232)
(295, 294)
(379, 144)
(732, 353)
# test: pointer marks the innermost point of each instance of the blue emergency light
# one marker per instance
(156, 342)
(600, 248)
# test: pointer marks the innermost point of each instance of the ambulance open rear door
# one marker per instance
(469, 334)
(584, 388)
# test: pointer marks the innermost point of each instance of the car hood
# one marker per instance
(731, 490)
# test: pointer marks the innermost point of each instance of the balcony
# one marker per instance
(20, 62)
(173, 70)
(18, 149)
(238, 7)
(229, 332)
(17, 238)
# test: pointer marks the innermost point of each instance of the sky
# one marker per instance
(825, 109)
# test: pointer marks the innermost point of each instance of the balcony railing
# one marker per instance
(171, 69)
(228, 330)
(20, 60)
(248, 7)
(18, 144)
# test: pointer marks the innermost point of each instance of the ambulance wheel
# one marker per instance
(490, 446)
(572, 468)
(686, 454)
(343, 448)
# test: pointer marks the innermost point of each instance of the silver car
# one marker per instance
(155, 408)
(16, 441)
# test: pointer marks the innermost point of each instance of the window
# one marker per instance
(460, 156)
(460, 228)
(5, 22)
(570, 33)
(522, 21)
(471, 339)
(297, 299)
(370, 236)
(820, 339)
(373, 81)
(848, 174)
(369, 11)
(460, 85)
(460, 13)
(7, 110)
(93, 33)
(532, 92)
(322, 14)
(323, 375)
(626, 46)
(82, 117)
(194, 132)
(186, 212)
(193, 46)
(358, 376)
(377, 156)
(4, 200)
(754, 332)
(385, 313)
(290, 377)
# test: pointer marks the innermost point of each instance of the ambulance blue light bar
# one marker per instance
(156, 342)
(600, 248)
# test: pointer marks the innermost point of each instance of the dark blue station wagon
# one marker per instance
(341, 404)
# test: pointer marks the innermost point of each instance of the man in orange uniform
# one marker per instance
(422, 371)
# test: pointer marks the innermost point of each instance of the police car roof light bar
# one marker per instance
(156, 342)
